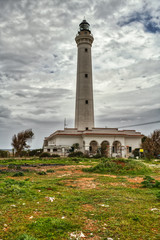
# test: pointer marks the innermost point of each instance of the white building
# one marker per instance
(108, 141)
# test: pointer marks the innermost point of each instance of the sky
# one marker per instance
(38, 61)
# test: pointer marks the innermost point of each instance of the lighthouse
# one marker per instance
(110, 142)
(84, 113)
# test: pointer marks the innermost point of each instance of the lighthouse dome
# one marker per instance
(84, 26)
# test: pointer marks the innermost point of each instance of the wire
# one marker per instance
(140, 124)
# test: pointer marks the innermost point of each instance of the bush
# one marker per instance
(35, 152)
(50, 171)
(76, 154)
(55, 155)
(48, 155)
(119, 166)
(25, 237)
(4, 154)
(150, 182)
(42, 173)
(98, 155)
(44, 154)
(18, 174)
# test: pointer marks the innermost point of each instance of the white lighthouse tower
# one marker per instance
(110, 142)
(84, 114)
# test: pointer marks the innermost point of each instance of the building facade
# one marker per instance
(110, 142)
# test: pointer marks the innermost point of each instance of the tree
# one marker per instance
(75, 147)
(151, 145)
(19, 141)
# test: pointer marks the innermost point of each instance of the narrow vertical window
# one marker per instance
(86, 128)
(86, 49)
(86, 75)
(86, 101)
(130, 149)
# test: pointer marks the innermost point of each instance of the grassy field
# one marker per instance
(78, 199)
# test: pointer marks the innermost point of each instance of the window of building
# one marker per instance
(54, 149)
(86, 75)
(86, 128)
(130, 149)
(48, 150)
(86, 101)
(113, 149)
(86, 49)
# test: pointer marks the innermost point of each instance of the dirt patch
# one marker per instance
(134, 180)
(87, 207)
(82, 183)
(107, 175)
(90, 225)
(120, 163)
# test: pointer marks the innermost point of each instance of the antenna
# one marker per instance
(65, 123)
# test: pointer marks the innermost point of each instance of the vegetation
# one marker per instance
(18, 174)
(119, 166)
(4, 154)
(35, 152)
(19, 141)
(76, 154)
(48, 155)
(25, 237)
(69, 204)
(150, 182)
(151, 145)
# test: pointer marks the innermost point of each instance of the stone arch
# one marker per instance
(93, 147)
(105, 148)
(117, 148)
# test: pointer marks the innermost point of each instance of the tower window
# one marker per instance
(86, 49)
(86, 101)
(86, 75)
(86, 128)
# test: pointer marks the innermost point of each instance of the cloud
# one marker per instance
(38, 58)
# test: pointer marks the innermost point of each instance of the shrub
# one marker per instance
(76, 154)
(48, 155)
(150, 182)
(50, 171)
(18, 174)
(4, 154)
(55, 155)
(42, 173)
(35, 152)
(119, 166)
(98, 155)
(44, 154)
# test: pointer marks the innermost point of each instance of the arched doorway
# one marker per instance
(105, 148)
(117, 149)
(93, 147)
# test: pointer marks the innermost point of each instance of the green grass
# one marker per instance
(35, 207)
(120, 166)
(15, 162)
